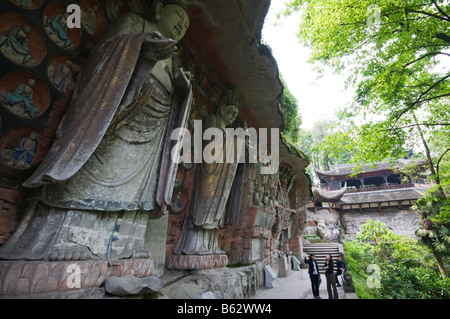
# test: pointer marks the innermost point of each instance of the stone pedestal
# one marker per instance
(295, 264)
(22, 278)
(270, 277)
(283, 266)
(191, 262)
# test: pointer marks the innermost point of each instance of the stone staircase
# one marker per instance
(320, 250)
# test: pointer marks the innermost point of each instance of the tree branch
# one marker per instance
(414, 125)
(424, 56)
(443, 37)
(432, 87)
(419, 101)
(427, 14)
(440, 158)
(440, 10)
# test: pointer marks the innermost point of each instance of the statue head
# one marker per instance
(171, 18)
(33, 135)
(228, 110)
(31, 82)
(228, 113)
(26, 28)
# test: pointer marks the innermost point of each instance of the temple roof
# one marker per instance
(330, 196)
(392, 195)
(348, 169)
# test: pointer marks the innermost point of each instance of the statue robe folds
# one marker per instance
(215, 202)
(109, 167)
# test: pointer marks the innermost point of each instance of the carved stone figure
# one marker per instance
(109, 169)
(57, 30)
(213, 189)
(15, 45)
(62, 75)
(89, 19)
(20, 101)
(113, 10)
(22, 155)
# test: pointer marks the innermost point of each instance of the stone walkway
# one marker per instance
(298, 286)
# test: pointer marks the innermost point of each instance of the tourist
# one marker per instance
(329, 274)
(341, 268)
(313, 274)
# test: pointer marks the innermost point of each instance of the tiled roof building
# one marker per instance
(371, 186)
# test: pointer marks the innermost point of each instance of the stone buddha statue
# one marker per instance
(212, 196)
(109, 172)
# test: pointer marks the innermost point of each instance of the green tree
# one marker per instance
(397, 54)
(406, 269)
(393, 48)
(291, 117)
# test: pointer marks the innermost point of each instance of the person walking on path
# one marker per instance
(331, 281)
(340, 269)
(314, 275)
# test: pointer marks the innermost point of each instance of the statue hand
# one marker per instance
(157, 48)
(181, 80)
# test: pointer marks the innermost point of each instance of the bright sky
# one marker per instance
(317, 98)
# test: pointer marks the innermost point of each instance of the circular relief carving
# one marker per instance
(93, 19)
(62, 71)
(21, 42)
(27, 4)
(18, 148)
(24, 94)
(114, 8)
(54, 20)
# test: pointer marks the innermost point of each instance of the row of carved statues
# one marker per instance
(109, 172)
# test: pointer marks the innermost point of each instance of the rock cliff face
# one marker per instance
(332, 227)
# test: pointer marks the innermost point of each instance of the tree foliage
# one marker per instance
(397, 55)
(394, 48)
(291, 117)
(406, 268)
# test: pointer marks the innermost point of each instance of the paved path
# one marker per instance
(297, 286)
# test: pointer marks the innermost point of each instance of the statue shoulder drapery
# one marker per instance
(99, 93)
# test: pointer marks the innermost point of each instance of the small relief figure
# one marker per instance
(93, 19)
(89, 19)
(27, 4)
(57, 30)
(23, 154)
(178, 202)
(63, 75)
(54, 20)
(114, 9)
(15, 45)
(256, 197)
(20, 101)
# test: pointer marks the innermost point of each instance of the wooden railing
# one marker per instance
(386, 187)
